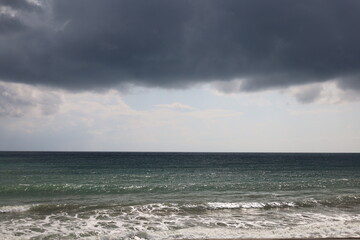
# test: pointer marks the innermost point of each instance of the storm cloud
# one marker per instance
(88, 44)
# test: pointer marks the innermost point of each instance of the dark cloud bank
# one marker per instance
(85, 44)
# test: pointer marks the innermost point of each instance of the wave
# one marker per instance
(15, 209)
(246, 205)
(158, 188)
(26, 189)
(189, 208)
(346, 201)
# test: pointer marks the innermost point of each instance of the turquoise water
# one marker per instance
(69, 195)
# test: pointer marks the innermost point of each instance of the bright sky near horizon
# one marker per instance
(237, 75)
(197, 119)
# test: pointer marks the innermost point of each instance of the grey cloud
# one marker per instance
(11, 104)
(19, 4)
(15, 15)
(9, 24)
(309, 95)
(88, 44)
(351, 83)
(19, 100)
(228, 87)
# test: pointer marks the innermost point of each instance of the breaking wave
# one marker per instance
(188, 207)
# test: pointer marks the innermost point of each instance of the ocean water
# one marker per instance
(93, 195)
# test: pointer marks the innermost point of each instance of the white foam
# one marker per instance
(300, 231)
(168, 221)
(222, 205)
(20, 208)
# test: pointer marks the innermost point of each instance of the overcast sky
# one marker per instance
(178, 75)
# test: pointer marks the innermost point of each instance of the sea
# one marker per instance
(164, 195)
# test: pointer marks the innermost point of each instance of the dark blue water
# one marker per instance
(94, 195)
